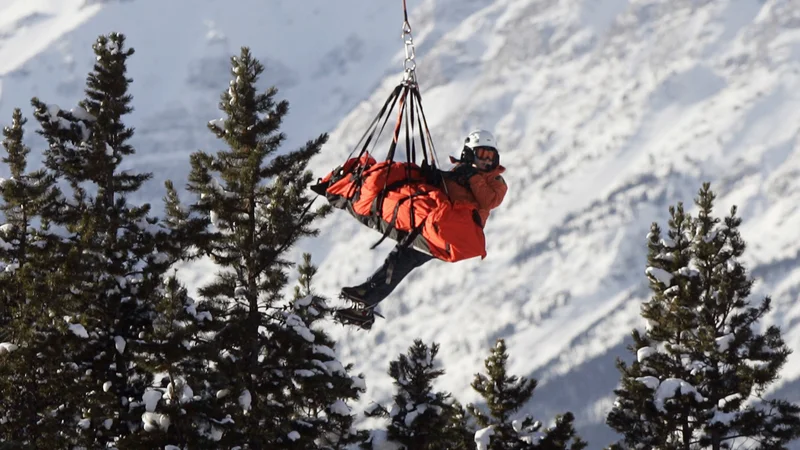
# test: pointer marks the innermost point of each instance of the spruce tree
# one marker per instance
(29, 199)
(325, 386)
(702, 365)
(279, 383)
(104, 277)
(505, 395)
(29, 381)
(420, 417)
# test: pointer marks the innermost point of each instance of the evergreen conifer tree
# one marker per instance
(104, 273)
(179, 410)
(327, 386)
(702, 365)
(29, 383)
(420, 417)
(505, 395)
(276, 379)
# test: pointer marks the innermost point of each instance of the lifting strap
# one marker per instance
(411, 120)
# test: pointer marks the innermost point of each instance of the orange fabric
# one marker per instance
(450, 229)
(453, 234)
(487, 191)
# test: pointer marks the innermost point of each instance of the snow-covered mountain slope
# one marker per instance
(323, 56)
(607, 111)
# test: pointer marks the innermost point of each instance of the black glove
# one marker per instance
(463, 172)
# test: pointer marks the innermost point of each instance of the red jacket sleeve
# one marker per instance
(489, 189)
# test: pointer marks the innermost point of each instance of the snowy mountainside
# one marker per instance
(607, 111)
(182, 64)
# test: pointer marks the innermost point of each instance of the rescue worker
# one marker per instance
(475, 178)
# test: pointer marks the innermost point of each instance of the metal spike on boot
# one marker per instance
(361, 317)
(356, 294)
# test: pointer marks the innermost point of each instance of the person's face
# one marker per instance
(484, 157)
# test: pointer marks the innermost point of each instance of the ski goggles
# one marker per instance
(485, 153)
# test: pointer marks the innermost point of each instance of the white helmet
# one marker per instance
(480, 138)
(476, 139)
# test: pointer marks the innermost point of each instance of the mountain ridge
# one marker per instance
(606, 113)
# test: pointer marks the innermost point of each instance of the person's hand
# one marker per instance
(463, 172)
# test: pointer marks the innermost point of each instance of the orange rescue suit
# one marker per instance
(397, 197)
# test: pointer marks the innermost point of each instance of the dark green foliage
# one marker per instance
(91, 297)
(505, 395)
(422, 418)
(102, 346)
(326, 386)
(275, 379)
(29, 379)
(702, 365)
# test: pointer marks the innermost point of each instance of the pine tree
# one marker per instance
(505, 395)
(702, 366)
(27, 198)
(421, 418)
(282, 386)
(325, 386)
(27, 344)
(106, 272)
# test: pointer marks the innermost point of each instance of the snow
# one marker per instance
(305, 301)
(340, 407)
(644, 353)
(380, 441)
(723, 342)
(7, 347)
(606, 115)
(672, 387)
(245, 399)
(483, 437)
(324, 350)
(218, 123)
(119, 344)
(412, 415)
(81, 114)
(300, 327)
(661, 275)
(186, 393)
(649, 381)
(335, 366)
(153, 421)
(723, 402)
(78, 330)
(151, 399)
(371, 408)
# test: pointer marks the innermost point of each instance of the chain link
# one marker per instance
(409, 65)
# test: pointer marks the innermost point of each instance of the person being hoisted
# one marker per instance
(476, 178)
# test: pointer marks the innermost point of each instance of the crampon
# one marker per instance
(358, 314)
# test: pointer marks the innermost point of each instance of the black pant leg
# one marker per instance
(400, 262)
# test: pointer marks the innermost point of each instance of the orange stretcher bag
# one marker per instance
(398, 200)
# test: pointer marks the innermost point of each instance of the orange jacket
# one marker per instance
(486, 191)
